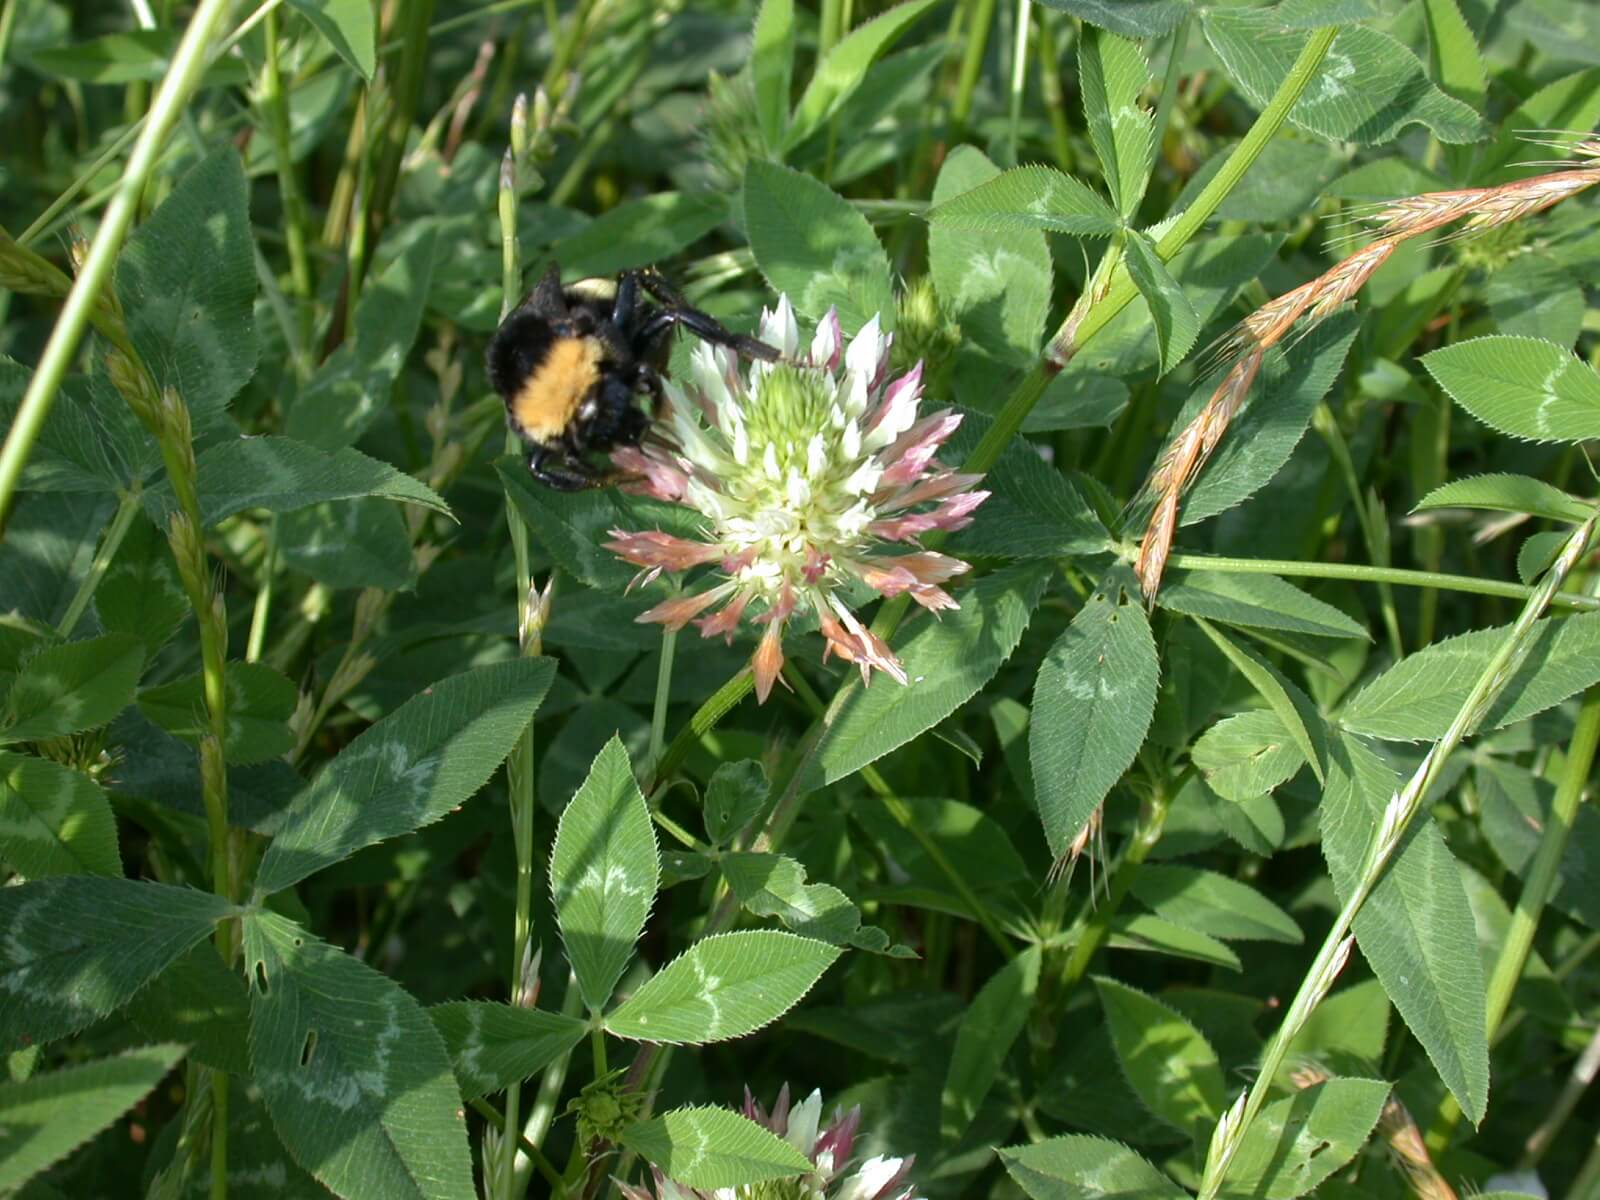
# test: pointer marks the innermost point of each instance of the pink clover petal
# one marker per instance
(840, 1138)
(903, 529)
(658, 479)
(660, 551)
(901, 400)
(725, 621)
(816, 564)
(934, 599)
(780, 611)
(934, 487)
(928, 566)
(678, 611)
(874, 650)
(827, 340)
(889, 581)
(732, 564)
(767, 662)
(876, 1178)
(779, 1124)
(914, 449)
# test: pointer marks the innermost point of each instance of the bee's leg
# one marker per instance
(556, 470)
(676, 311)
(627, 299)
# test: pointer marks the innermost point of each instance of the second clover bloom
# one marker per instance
(810, 474)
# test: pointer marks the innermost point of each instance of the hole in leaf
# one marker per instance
(309, 1048)
(261, 977)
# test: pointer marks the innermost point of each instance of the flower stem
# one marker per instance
(705, 719)
(1231, 1130)
(658, 717)
(180, 80)
(1363, 573)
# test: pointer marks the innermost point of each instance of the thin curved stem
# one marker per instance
(182, 77)
(1363, 573)
(1075, 333)
(1402, 807)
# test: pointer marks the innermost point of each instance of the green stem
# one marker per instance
(1076, 333)
(1375, 537)
(42, 222)
(1152, 821)
(219, 1134)
(403, 101)
(497, 1119)
(127, 509)
(519, 769)
(1019, 75)
(1363, 573)
(554, 1077)
(1055, 101)
(971, 64)
(8, 21)
(1577, 1083)
(1544, 875)
(262, 610)
(1231, 1130)
(1587, 1184)
(180, 80)
(828, 23)
(907, 820)
(658, 718)
(1169, 81)
(276, 103)
(705, 719)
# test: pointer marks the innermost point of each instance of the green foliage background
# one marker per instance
(337, 843)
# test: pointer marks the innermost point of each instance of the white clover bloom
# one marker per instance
(828, 1148)
(805, 471)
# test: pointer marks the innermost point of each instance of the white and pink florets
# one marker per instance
(804, 471)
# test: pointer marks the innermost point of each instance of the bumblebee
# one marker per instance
(572, 364)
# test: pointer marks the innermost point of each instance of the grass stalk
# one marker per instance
(1544, 875)
(531, 611)
(121, 521)
(179, 82)
(971, 64)
(275, 105)
(1019, 75)
(1336, 945)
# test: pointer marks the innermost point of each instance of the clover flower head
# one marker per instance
(806, 473)
(828, 1147)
